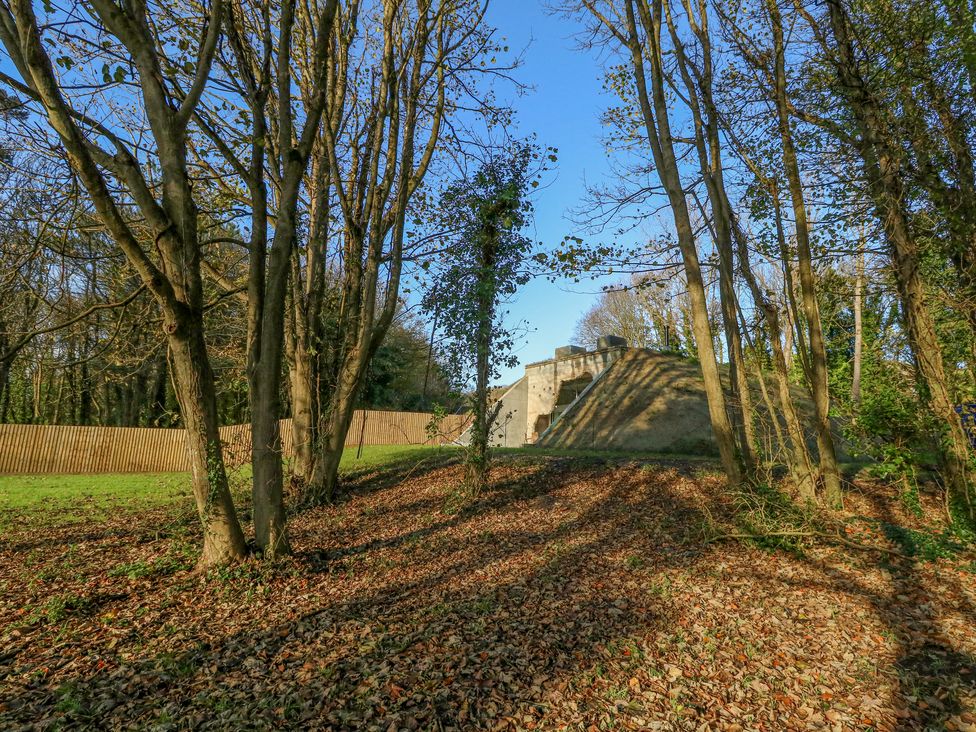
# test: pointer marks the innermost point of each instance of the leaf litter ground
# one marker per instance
(575, 594)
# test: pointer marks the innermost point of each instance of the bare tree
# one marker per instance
(156, 180)
(697, 76)
(648, 312)
(766, 61)
(279, 144)
(394, 111)
(636, 27)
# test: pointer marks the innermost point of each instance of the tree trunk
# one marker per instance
(304, 341)
(324, 484)
(374, 182)
(304, 412)
(223, 539)
(817, 375)
(709, 146)
(268, 275)
(737, 372)
(175, 284)
(477, 459)
(265, 372)
(157, 405)
(266, 460)
(772, 411)
(858, 327)
(4, 390)
(654, 108)
(883, 173)
(952, 440)
(799, 463)
(477, 468)
(325, 478)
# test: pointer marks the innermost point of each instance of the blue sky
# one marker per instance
(563, 109)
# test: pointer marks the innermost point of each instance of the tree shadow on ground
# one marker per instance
(127, 528)
(355, 480)
(478, 620)
(934, 680)
(544, 602)
(933, 673)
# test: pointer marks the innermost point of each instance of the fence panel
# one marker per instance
(34, 448)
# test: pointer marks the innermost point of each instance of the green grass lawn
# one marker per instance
(374, 455)
(66, 499)
(72, 498)
(51, 500)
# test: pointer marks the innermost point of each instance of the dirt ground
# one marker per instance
(576, 594)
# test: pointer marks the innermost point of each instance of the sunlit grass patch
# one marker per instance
(29, 500)
(376, 455)
(65, 499)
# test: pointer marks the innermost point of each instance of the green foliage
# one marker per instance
(57, 609)
(961, 523)
(70, 701)
(434, 427)
(774, 519)
(889, 423)
(635, 562)
(171, 563)
(928, 546)
(176, 665)
(574, 259)
(406, 373)
(484, 262)
(485, 259)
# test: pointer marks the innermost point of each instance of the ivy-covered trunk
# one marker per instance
(477, 468)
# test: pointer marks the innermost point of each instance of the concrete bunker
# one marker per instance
(567, 392)
(611, 398)
(549, 388)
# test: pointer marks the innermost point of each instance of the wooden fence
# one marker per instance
(34, 448)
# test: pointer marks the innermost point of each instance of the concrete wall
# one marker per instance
(625, 399)
(530, 404)
(545, 377)
(645, 402)
(509, 429)
(510, 424)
